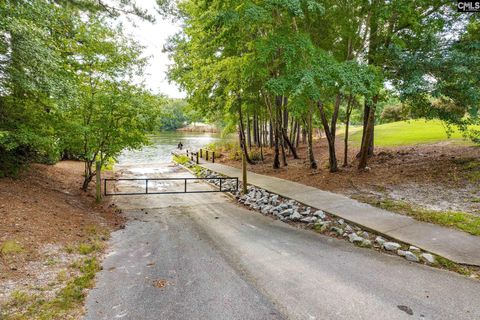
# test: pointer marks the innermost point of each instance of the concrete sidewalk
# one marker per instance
(455, 245)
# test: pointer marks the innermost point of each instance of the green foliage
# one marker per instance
(174, 114)
(262, 58)
(229, 148)
(67, 84)
(181, 159)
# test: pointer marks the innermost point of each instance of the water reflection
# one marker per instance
(159, 151)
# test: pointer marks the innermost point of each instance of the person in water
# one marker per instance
(180, 145)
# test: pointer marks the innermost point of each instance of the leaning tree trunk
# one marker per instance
(330, 132)
(88, 175)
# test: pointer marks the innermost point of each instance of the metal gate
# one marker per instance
(225, 185)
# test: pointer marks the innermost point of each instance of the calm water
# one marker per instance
(163, 144)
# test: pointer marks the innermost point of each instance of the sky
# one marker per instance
(153, 36)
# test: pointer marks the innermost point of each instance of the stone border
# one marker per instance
(289, 210)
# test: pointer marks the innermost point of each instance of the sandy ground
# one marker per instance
(442, 176)
(44, 211)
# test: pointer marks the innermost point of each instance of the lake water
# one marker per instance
(162, 145)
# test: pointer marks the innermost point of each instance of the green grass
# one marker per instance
(181, 159)
(452, 266)
(459, 220)
(410, 132)
(10, 247)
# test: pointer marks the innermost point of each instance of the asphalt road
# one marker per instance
(200, 256)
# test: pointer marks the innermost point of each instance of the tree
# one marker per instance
(280, 58)
(33, 81)
(66, 83)
(108, 113)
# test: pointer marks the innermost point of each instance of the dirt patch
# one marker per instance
(50, 221)
(443, 176)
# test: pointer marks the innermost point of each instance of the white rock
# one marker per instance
(414, 249)
(429, 258)
(348, 228)
(391, 246)
(354, 238)
(401, 253)
(309, 219)
(266, 209)
(411, 256)
(305, 213)
(341, 221)
(380, 240)
(286, 212)
(320, 214)
(295, 216)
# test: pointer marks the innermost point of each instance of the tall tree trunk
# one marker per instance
(368, 140)
(293, 131)
(304, 135)
(348, 113)
(279, 131)
(241, 134)
(309, 128)
(276, 151)
(249, 135)
(366, 149)
(270, 132)
(297, 140)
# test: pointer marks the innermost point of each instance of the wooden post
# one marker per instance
(201, 153)
(213, 156)
(98, 184)
(206, 155)
(244, 173)
(197, 158)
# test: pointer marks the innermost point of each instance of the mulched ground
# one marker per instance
(442, 176)
(46, 207)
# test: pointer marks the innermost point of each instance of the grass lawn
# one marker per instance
(410, 132)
